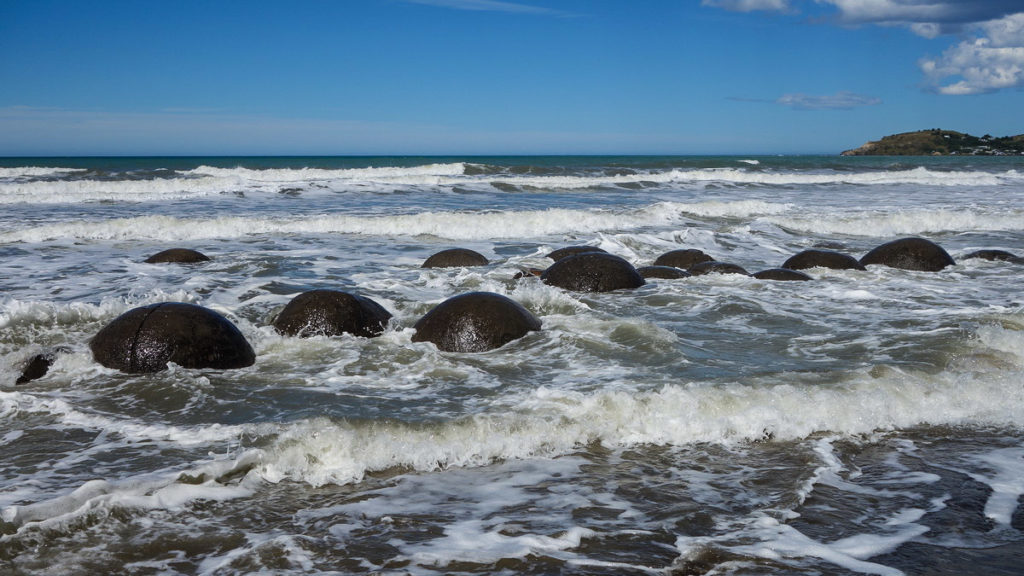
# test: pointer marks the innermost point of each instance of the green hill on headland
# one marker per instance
(941, 143)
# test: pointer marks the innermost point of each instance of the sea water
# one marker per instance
(865, 422)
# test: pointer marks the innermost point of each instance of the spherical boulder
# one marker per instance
(475, 322)
(330, 313)
(909, 254)
(145, 339)
(455, 258)
(823, 259)
(177, 255)
(663, 272)
(592, 272)
(572, 251)
(1001, 255)
(781, 274)
(716, 267)
(684, 259)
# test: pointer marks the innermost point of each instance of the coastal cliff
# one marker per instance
(941, 143)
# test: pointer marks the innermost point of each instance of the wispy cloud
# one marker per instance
(838, 101)
(749, 5)
(490, 6)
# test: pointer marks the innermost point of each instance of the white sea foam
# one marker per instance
(451, 225)
(206, 181)
(553, 421)
(15, 312)
(35, 172)
(413, 175)
(1006, 482)
(901, 222)
(66, 192)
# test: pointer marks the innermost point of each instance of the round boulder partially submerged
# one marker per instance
(909, 254)
(330, 313)
(716, 267)
(781, 274)
(572, 251)
(823, 259)
(37, 365)
(177, 255)
(991, 255)
(455, 258)
(684, 259)
(592, 272)
(475, 322)
(663, 272)
(145, 339)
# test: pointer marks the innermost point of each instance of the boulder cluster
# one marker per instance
(147, 338)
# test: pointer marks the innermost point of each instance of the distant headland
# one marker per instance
(937, 142)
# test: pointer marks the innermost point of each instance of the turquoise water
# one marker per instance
(866, 422)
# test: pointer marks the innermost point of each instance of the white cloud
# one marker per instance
(991, 57)
(749, 5)
(838, 101)
(928, 18)
(994, 61)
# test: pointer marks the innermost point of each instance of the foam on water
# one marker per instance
(791, 427)
(35, 172)
(208, 181)
(902, 222)
(491, 225)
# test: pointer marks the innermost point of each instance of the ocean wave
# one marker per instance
(207, 180)
(554, 422)
(427, 173)
(35, 172)
(72, 191)
(902, 222)
(450, 225)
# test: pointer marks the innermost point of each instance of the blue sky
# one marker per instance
(502, 77)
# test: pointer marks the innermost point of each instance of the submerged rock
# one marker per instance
(663, 272)
(572, 251)
(38, 365)
(330, 313)
(991, 255)
(178, 255)
(716, 267)
(910, 254)
(684, 259)
(592, 272)
(475, 322)
(824, 259)
(455, 258)
(781, 274)
(145, 339)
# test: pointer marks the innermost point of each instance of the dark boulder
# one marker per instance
(572, 251)
(475, 322)
(684, 259)
(663, 272)
(823, 259)
(1001, 255)
(909, 254)
(455, 258)
(716, 267)
(781, 274)
(177, 255)
(39, 364)
(592, 272)
(145, 339)
(330, 313)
